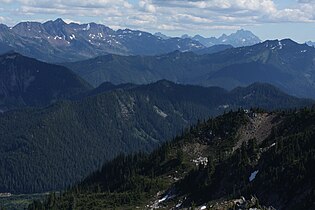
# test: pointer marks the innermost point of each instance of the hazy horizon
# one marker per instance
(268, 19)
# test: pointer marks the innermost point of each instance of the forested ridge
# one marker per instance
(282, 63)
(54, 147)
(26, 82)
(277, 171)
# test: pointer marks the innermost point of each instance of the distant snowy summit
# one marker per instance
(240, 38)
(58, 41)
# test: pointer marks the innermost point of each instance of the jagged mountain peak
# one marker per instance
(160, 35)
(60, 20)
(57, 41)
(240, 38)
(198, 36)
(237, 39)
(243, 31)
(185, 36)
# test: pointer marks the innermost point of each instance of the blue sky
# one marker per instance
(269, 19)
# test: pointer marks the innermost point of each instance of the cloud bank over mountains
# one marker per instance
(162, 15)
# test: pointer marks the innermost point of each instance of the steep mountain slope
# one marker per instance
(213, 49)
(57, 41)
(28, 82)
(137, 69)
(240, 38)
(246, 73)
(5, 48)
(285, 64)
(52, 148)
(289, 66)
(214, 165)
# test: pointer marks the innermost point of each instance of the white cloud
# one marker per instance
(74, 3)
(258, 10)
(191, 18)
(168, 15)
(6, 1)
(147, 6)
(306, 1)
(252, 5)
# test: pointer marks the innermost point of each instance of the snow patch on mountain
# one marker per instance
(87, 27)
(72, 36)
(280, 45)
(253, 176)
(160, 112)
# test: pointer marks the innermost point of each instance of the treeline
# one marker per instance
(134, 179)
(53, 148)
(283, 164)
(57, 146)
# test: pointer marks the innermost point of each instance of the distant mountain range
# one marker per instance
(283, 63)
(240, 38)
(57, 41)
(51, 148)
